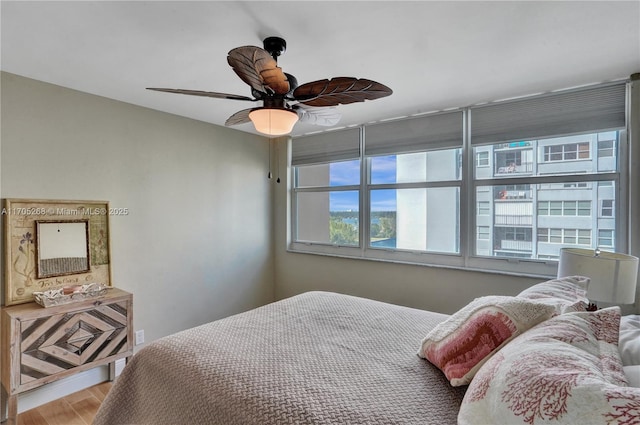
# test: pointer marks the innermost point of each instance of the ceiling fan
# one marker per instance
(284, 101)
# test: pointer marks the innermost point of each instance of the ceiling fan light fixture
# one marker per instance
(273, 121)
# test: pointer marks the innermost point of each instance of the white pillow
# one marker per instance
(629, 343)
(564, 371)
(566, 294)
(633, 375)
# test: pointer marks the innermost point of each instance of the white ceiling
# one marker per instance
(434, 55)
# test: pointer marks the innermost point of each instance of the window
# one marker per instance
(606, 209)
(606, 148)
(484, 232)
(606, 238)
(565, 208)
(328, 189)
(565, 236)
(329, 212)
(521, 181)
(568, 152)
(482, 159)
(575, 185)
(484, 208)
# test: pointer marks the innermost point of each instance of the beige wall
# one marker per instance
(196, 243)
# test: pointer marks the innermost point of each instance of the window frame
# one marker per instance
(565, 155)
(482, 159)
(467, 259)
(611, 236)
(610, 209)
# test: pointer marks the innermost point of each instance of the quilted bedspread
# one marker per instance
(316, 358)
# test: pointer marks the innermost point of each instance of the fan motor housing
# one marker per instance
(275, 46)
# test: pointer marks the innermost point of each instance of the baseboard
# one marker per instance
(61, 388)
(58, 389)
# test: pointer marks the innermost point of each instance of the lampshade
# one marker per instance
(613, 275)
(273, 121)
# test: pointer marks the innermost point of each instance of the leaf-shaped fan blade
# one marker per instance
(325, 117)
(204, 93)
(340, 90)
(239, 117)
(256, 67)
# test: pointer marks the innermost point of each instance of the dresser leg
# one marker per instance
(12, 417)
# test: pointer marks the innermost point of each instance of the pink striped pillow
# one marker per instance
(462, 343)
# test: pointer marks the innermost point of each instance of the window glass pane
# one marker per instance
(383, 218)
(605, 238)
(543, 208)
(556, 236)
(344, 173)
(570, 151)
(383, 169)
(543, 235)
(584, 237)
(484, 208)
(607, 208)
(482, 159)
(569, 208)
(330, 217)
(606, 148)
(553, 156)
(432, 166)
(570, 236)
(399, 219)
(583, 151)
(584, 208)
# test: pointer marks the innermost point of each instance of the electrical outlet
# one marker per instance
(140, 337)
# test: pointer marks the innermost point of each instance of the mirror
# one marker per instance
(63, 247)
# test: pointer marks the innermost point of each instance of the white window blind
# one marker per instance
(338, 145)
(556, 114)
(438, 131)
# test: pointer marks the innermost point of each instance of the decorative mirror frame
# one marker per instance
(20, 218)
(69, 263)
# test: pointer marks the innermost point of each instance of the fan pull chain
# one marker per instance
(269, 175)
(278, 162)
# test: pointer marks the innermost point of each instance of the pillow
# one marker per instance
(462, 343)
(629, 342)
(566, 294)
(633, 375)
(566, 370)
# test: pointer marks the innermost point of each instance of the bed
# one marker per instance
(315, 358)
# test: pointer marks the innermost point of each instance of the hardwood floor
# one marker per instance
(75, 409)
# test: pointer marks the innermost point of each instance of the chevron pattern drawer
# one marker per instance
(41, 345)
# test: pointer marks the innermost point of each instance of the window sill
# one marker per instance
(516, 268)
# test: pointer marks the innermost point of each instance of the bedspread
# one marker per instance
(316, 358)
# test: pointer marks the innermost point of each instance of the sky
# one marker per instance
(348, 173)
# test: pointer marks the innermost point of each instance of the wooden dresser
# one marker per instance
(41, 345)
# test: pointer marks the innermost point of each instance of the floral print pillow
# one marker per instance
(566, 370)
(566, 294)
